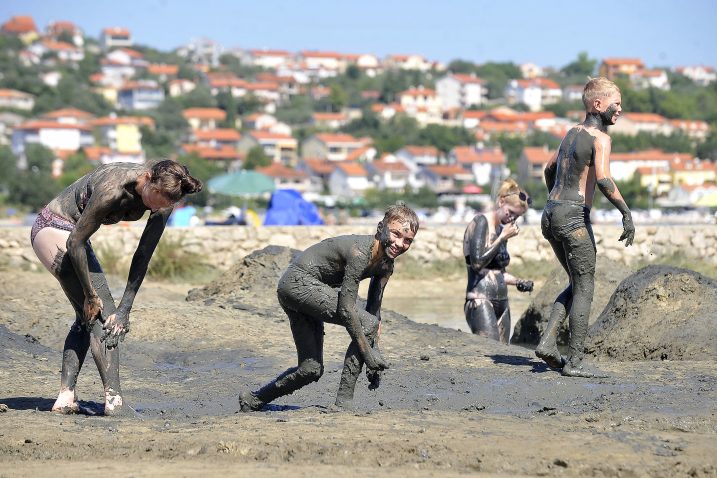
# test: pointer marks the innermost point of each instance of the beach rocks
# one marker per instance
(658, 313)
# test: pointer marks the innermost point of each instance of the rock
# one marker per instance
(658, 313)
(532, 323)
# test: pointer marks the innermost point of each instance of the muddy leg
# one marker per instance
(547, 349)
(353, 362)
(309, 338)
(481, 318)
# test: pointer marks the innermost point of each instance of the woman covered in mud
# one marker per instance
(485, 247)
(61, 239)
(321, 285)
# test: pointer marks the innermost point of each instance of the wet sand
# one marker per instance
(452, 403)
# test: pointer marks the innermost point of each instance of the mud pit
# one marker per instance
(451, 404)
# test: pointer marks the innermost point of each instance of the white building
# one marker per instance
(349, 180)
(535, 93)
(461, 91)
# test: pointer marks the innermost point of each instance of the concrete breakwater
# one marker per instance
(222, 246)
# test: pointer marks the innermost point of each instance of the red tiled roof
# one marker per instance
(68, 112)
(499, 127)
(447, 169)
(9, 93)
(139, 85)
(277, 170)
(162, 69)
(269, 52)
(130, 52)
(537, 155)
(392, 166)
(320, 166)
(58, 45)
(543, 83)
(474, 114)
(357, 153)
(422, 150)
(690, 125)
(685, 163)
(19, 24)
(648, 155)
(208, 152)
(463, 78)
(336, 138)
(351, 168)
(61, 26)
(645, 117)
(321, 54)
(329, 116)
(205, 113)
(418, 92)
(47, 124)
(219, 134)
(623, 61)
(471, 155)
(116, 31)
(260, 134)
(94, 153)
(113, 121)
(262, 86)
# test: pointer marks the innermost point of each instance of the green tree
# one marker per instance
(203, 170)
(582, 67)
(8, 168)
(35, 186)
(461, 66)
(444, 138)
(256, 158)
(338, 98)
(497, 76)
(199, 97)
(74, 167)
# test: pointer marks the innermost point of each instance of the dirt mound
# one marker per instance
(658, 313)
(255, 275)
(532, 323)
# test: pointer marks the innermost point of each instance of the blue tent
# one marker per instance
(288, 208)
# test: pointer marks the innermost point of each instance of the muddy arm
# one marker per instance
(480, 255)
(550, 170)
(610, 190)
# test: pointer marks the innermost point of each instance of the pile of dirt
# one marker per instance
(256, 275)
(658, 313)
(532, 323)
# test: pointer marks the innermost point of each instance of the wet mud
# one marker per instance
(532, 323)
(658, 313)
(452, 403)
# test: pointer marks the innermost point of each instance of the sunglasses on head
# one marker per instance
(522, 196)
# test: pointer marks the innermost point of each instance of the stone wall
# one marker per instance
(224, 245)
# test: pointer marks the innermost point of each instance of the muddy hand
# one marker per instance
(628, 230)
(114, 330)
(524, 285)
(375, 361)
(92, 308)
(374, 378)
(510, 230)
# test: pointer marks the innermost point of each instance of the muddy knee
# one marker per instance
(310, 370)
(369, 324)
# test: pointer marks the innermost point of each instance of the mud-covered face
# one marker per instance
(613, 108)
(154, 199)
(395, 237)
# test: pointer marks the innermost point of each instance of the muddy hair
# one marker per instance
(510, 192)
(173, 179)
(403, 213)
(598, 88)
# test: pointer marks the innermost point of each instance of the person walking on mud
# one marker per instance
(581, 162)
(321, 285)
(485, 247)
(60, 238)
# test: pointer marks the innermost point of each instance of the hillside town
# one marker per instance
(342, 125)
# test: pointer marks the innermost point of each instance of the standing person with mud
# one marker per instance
(485, 247)
(581, 162)
(321, 285)
(60, 238)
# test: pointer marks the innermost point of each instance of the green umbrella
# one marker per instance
(242, 183)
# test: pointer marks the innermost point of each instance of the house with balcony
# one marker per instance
(332, 146)
(140, 95)
(624, 165)
(227, 157)
(656, 78)
(122, 134)
(366, 62)
(216, 138)
(486, 165)
(461, 91)
(268, 59)
(389, 173)
(321, 64)
(163, 71)
(444, 178)
(319, 172)
(69, 116)
(532, 162)
(329, 120)
(59, 137)
(65, 28)
(633, 123)
(62, 51)
(204, 118)
(612, 68)
(115, 37)
(695, 129)
(16, 99)
(288, 178)
(349, 180)
(535, 92)
(23, 27)
(281, 148)
(180, 86)
(417, 157)
(407, 62)
(423, 104)
(700, 74)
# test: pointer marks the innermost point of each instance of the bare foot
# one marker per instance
(551, 356)
(344, 403)
(248, 402)
(113, 404)
(583, 371)
(66, 403)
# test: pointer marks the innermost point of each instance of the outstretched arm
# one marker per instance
(117, 324)
(610, 189)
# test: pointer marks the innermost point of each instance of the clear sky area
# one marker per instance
(548, 33)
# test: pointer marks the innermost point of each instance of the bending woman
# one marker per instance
(60, 239)
(485, 247)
